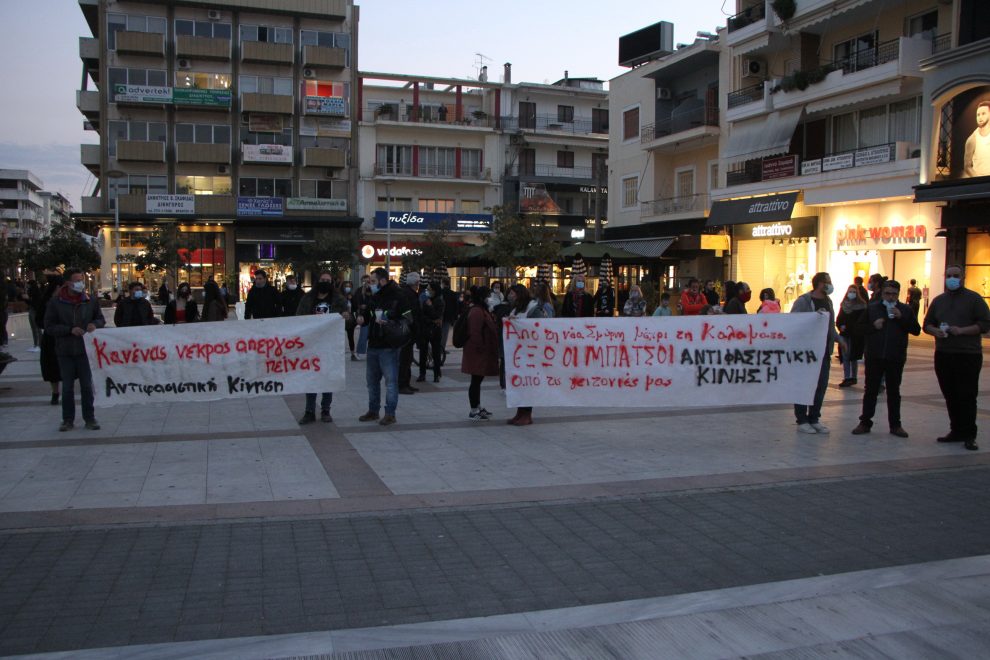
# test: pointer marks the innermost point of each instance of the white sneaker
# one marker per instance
(820, 428)
(34, 349)
(806, 428)
(478, 414)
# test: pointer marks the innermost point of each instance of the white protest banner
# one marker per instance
(222, 360)
(658, 362)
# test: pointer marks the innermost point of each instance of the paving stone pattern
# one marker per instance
(87, 588)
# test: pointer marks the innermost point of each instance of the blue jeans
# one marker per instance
(72, 367)
(362, 345)
(383, 362)
(811, 414)
(325, 402)
(850, 368)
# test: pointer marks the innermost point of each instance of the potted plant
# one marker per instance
(784, 9)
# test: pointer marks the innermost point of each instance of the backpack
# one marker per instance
(460, 331)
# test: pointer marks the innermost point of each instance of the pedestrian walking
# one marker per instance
(886, 325)
(817, 300)
(387, 309)
(33, 297)
(71, 314)
(851, 312)
(183, 309)
(430, 332)
(956, 319)
(321, 299)
(134, 309)
(530, 308)
(914, 295)
(636, 305)
(451, 309)
(480, 357)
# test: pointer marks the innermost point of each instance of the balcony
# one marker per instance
(786, 167)
(89, 48)
(433, 115)
(89, 156)
(141, 43)
(428, 172)
(694, 205)
(750, 94)
(324, 57)
(262, 52)
(553, 172)
(553, 124)
(133, 150)
(92, 204)
(751, 22)
(189, 152)
(203, 48)
(330, 158)
(267, 103)
(88, 103)
(216, 205)
(684, 128)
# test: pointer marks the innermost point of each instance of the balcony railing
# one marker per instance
(680, 122)
(745, 95)
(747, 16)
(432, 172)
(553, 123)
(941, 43)
(668, 205)
(752, 171)
(553, 171)
(427, 115)
(867, 58)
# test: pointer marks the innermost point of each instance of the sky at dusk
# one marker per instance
(41, 129)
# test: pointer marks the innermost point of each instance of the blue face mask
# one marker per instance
(829, 289)
(952, 283)
(579, 285)
(375, 288)
(137, 295)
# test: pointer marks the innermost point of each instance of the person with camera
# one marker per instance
(388, 318)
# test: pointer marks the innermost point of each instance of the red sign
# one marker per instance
(779, 168)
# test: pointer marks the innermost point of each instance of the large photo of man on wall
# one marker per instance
(968, 131)
(976, 161)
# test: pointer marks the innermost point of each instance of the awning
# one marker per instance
(960, 189)
(647, 247)
(891, 88)
(763, 136)
(771, 208)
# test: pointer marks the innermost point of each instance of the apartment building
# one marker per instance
(663, 157)
(823, 141)
(57, 208)
(23, 214)
(231, 119)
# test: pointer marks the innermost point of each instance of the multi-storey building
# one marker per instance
(22, 207)
(663, 160)
(230, 118)
(823, 142)
(58, 209)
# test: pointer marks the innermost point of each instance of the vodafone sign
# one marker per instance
(367, 251)
(372, 251)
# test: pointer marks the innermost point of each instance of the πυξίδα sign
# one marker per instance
(662, 362)
(174, 204)
(232, 360)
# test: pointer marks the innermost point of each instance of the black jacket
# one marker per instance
(890, 342)
(62, 316)
(261, 303)
(569, 307)
(289, 301)
(605, 302)
(733, 306)
(393, 304)
(192, 312)
(132, 312)
(450, 305)
(412, 300)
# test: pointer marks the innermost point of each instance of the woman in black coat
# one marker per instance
(847, 321)
(49, 361)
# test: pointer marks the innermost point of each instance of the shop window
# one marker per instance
(630, 124)
(202, 185)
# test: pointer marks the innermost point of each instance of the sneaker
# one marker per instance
(325, 417)
(820, 428)
(388, 420)
(368, 417)
(34, 349)
(486, 413)
(353, 358)
(949, 438)
(899, 432)
(65, 426)
(971, 445)
(93, 425)
(861, 429)
(806, 428)
(307, 418)
(478, 414)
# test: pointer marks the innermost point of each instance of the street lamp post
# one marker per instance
(115, 176)
(388, 224)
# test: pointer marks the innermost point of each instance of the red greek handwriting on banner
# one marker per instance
(678, 361)
(207, 361)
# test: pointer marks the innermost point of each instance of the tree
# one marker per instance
(166, 251)
(332, 250)
(518, 240)
(64, 247)
(435, 248)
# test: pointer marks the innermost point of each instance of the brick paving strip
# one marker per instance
(86, 588)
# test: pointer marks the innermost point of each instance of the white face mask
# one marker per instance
(291, 287)
(79, 286)
(851, 296)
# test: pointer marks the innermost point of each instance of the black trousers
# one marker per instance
(429, 342)
(959, 379)
(876, 371)
(474, 391)
(405, 364)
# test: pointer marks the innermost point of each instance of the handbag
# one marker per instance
(397, 332)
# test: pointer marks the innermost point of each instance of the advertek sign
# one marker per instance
(266, 153)
(334, 106)
(259, 206)
(861, 236)
(372, 251)
(771, 208)
(413, 221)
(663, 362)
(217, 98)
(142, 94)
(170, 204)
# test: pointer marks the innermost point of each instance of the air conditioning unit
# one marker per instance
(331, 172)
(517, 139)
(213, 14)
(754, 68)
(664, 94)
(184, 64)
(309, 73)
(223, 169)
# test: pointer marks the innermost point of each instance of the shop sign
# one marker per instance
(838, 161)
(267, 153)
(779, 168)
(592, 190)
(264, 123)
(804, 227)
(142, 94)
(215, 98)
(811, 167)
(325, 105)
(772, 208)
(411, 221)
(315, 204)
(860, 235)
(577, 234)
(371, 251)
(874, 155)
(259, 206)
(170, 204)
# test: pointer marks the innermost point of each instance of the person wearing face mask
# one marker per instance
(886, 324)
(432, 304)
(411, 292)
(605, 299)
(480, 357)
(387, 304)
(956, 319)
(817, 300)
(496, 296)
(291, 296)
(183, 309)
(636, 305)
(577, 303)
(134, 309)
(736, 298)
(359, 306)
(262, 300)
(350, 309)
(851, 311)
(70, 315)
(321, 299)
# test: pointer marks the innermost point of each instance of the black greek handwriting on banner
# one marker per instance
(198, 387)
(238, 385)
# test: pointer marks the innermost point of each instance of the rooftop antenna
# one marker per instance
(479, 63)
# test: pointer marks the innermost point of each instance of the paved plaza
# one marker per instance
(225, 529)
